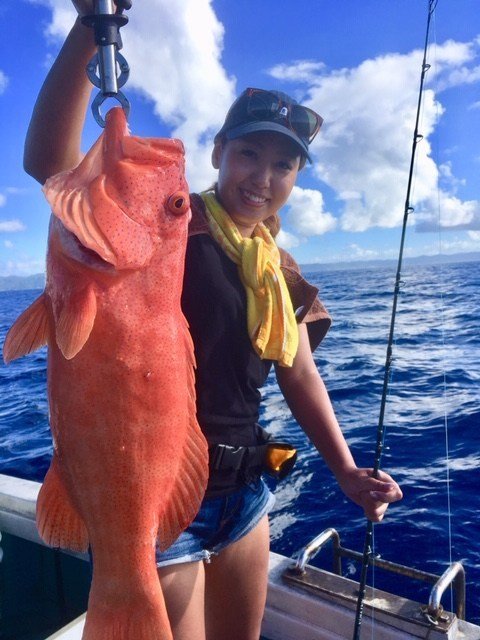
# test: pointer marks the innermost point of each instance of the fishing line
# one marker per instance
(442, 329)
(367, 548)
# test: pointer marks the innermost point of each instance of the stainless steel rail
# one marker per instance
(454, 574)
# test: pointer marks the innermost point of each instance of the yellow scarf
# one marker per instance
(271, 322)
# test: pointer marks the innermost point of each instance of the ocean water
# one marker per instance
(432, 444)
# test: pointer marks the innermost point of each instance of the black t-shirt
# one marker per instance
(229, 372)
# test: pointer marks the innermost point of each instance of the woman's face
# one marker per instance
(256, 176)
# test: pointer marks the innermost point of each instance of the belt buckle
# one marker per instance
(227, 457)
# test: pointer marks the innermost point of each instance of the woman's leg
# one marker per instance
(236, 587)
(183, 587)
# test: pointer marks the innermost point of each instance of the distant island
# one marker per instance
(37, 281)
(19, 283)
(453, 258)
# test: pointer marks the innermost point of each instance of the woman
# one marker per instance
(214, 577)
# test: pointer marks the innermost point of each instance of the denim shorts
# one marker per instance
(220, 522)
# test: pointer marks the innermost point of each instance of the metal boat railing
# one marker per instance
(454, 575)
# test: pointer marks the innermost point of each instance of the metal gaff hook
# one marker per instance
(108, 69)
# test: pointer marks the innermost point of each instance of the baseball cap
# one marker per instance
(269, 110)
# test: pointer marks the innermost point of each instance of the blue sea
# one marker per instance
(432, 443)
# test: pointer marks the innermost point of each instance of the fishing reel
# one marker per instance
(108, 70)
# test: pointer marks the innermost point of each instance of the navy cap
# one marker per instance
(264, 110)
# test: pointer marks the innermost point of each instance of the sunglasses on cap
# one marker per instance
(265, 105)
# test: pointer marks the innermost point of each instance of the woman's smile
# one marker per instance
(253, 198)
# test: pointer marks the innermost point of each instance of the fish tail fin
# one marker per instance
(130, 616)
(191, 482)
(29, 332)
(58, 522)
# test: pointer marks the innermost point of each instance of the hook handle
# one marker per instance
(108, 69)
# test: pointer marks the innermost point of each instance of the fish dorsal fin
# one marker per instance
(74, 319)
(191, 481)
(29, 332)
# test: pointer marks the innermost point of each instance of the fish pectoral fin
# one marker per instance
(75, 321)
(58, 522)
(29, 332)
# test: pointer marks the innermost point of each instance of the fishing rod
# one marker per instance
(108, 70)
(367, 548)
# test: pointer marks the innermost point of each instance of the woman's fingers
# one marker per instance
(372, 494)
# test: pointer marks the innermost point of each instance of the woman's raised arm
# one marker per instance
(54, 135)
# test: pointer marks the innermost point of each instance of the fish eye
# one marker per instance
(178, 203)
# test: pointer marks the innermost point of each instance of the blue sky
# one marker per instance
(356, 62)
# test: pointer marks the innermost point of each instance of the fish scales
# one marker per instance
(130, 464)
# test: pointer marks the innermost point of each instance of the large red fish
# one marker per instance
(130, 464)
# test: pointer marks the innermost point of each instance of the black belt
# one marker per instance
(275, 458)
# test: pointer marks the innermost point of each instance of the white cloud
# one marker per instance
(286, 240)
(451, 64)
(306, 213)
(446, 211)
(447, 177)
(10, 191)
(174, 52)
(15, 190)
(356, 252)
(11, 226)
(474, 235)
(459, 214)
(299, 71)
(363, 151)
(3, 82)
(459, 245)
(8, 244)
